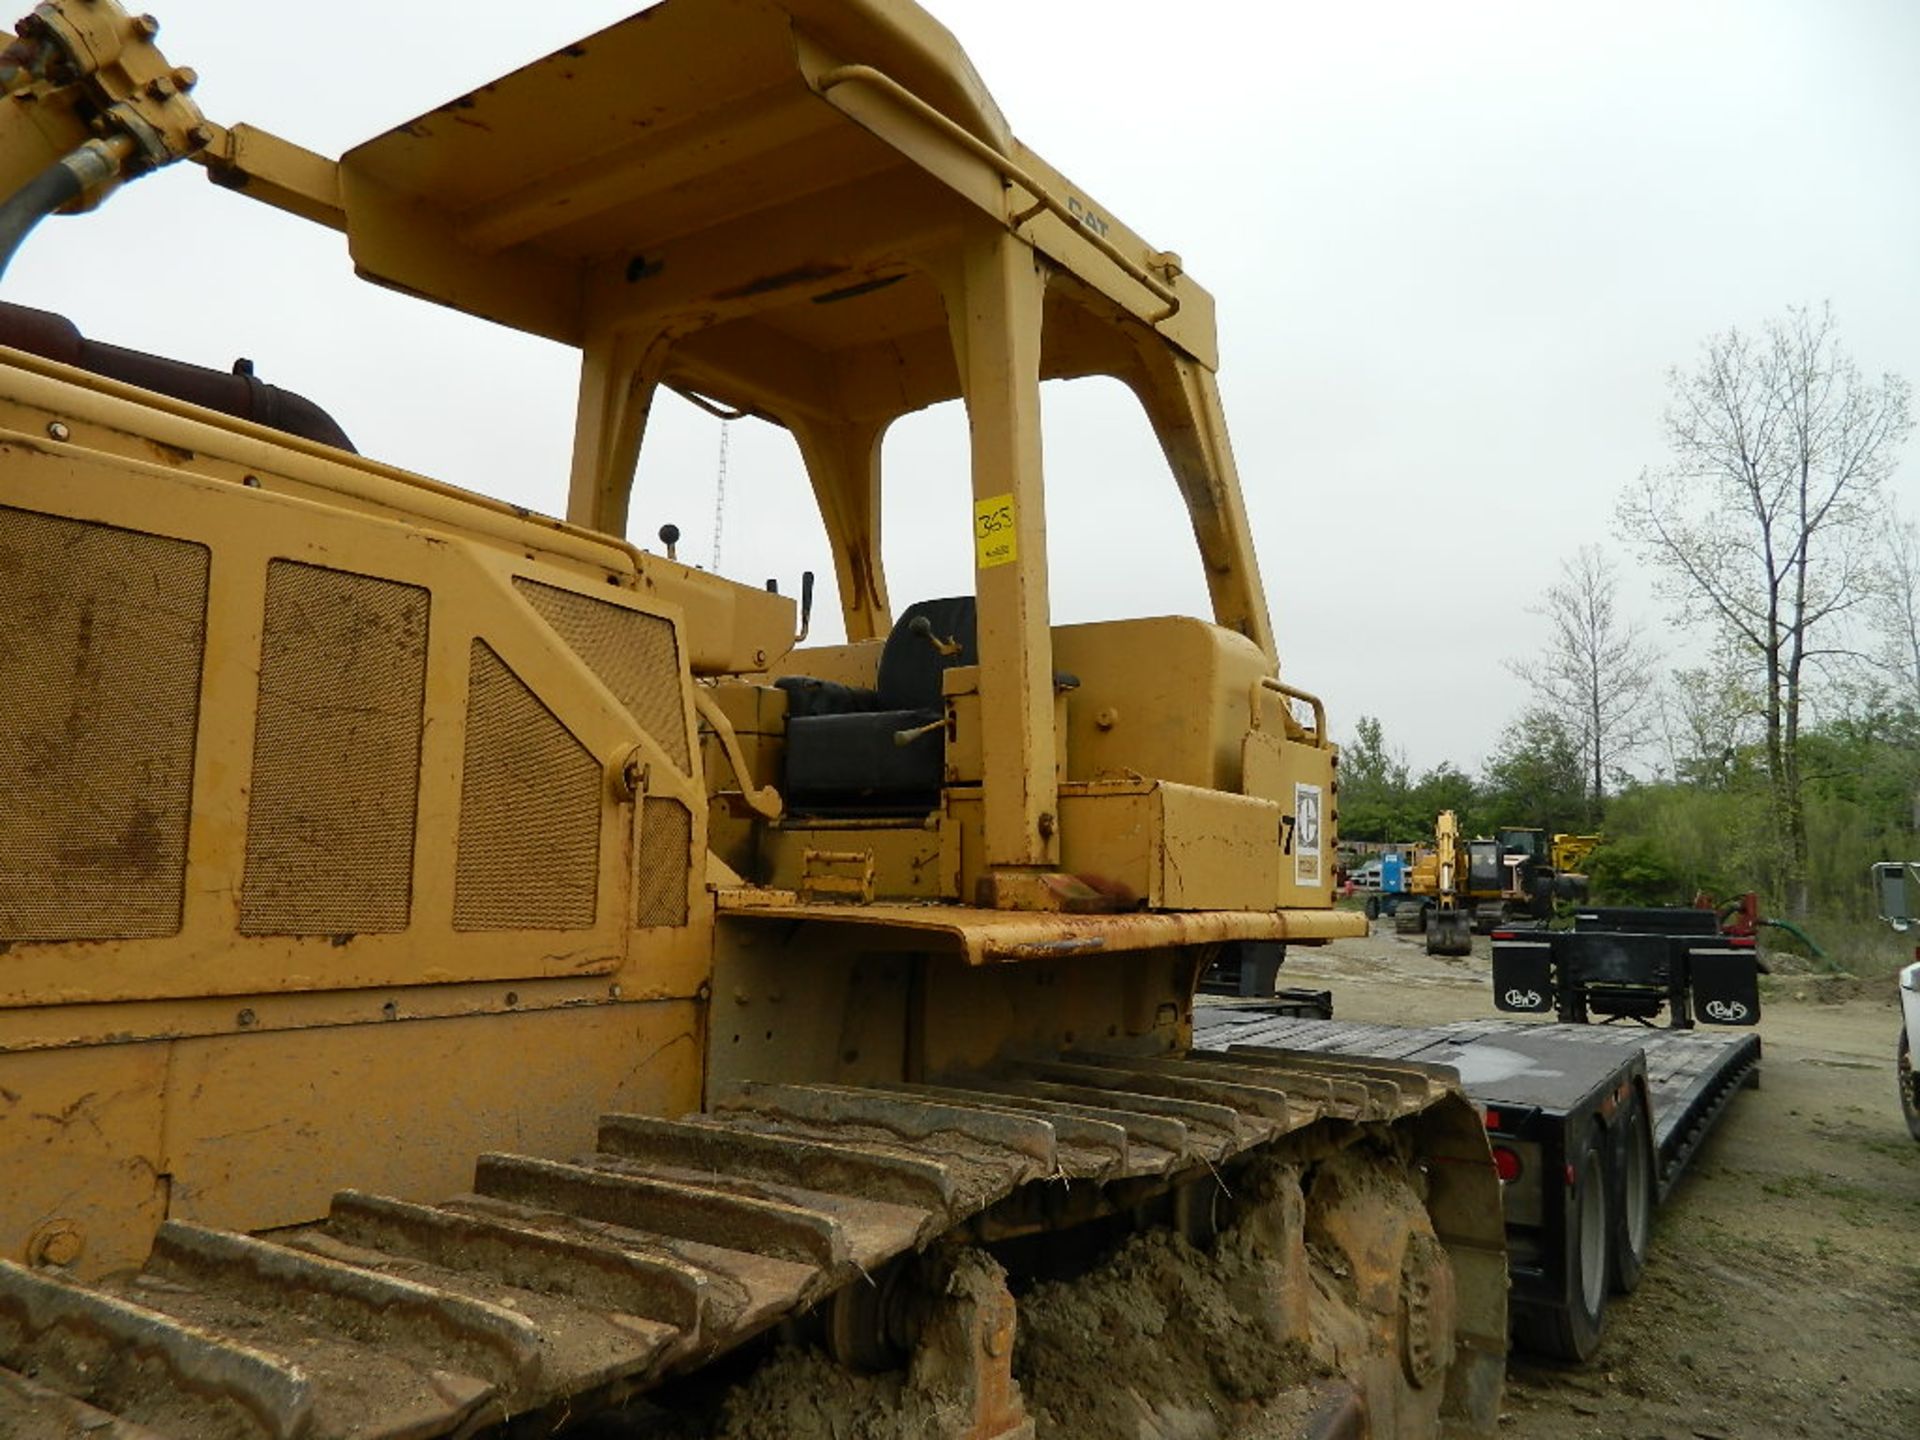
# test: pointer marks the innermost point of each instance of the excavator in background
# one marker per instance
(460, 971)
(1431, 896)
(1522, 871)
(1450, 924)
(1437, 900)
(1516, 874)
(1568, 855)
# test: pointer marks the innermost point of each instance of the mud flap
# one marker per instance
(1523, 978)
(1726, 987)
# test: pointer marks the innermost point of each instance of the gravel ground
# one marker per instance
(1784, 1283)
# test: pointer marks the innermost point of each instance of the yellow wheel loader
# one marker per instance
(462, 971)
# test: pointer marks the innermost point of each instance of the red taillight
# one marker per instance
(1569, 1175)
(1506, 1164)
(1493, 1120)
(1502, 935)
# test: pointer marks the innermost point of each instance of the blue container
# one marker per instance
(1393, 876)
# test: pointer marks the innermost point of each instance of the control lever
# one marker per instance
(923, 627)
(904, 738)
(806, 602)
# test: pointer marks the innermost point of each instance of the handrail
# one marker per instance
(1288, 692)
(1008, 170)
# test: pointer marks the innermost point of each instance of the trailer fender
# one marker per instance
(1726, 987)
(1523, 976)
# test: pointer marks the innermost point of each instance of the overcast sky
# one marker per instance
(1456, 248)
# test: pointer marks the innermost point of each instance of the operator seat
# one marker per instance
(855, 751)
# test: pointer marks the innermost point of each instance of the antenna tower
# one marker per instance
(720, 496)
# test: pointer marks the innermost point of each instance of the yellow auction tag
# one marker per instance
(993, 542)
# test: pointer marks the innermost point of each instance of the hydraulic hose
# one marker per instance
(66, 180)
(32, 202)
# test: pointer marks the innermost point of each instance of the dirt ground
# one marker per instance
(1783, 1290)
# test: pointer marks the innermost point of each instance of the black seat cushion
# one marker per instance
(809, 696)
(853, 762)
(842, 753)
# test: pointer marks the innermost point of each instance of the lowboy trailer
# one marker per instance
(1591, 1126)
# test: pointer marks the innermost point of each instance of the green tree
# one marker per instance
(1861, 772)
(1373, 785)
(1444, 787)
(1537, 776)
(1710, 839)
(1763, 519)
(1637, 870)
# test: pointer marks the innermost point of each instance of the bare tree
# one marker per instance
(1595, 673)
(1895, 617)
(1708, 716)
(1896, 613)
(1763, 520)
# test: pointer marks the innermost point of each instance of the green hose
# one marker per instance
(1800, 935)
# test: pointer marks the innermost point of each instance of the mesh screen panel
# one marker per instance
(529, 811)
(634, 656)
(666, 843)
(336, 754)
(101, 634)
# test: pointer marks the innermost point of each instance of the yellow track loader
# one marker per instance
(461, 970)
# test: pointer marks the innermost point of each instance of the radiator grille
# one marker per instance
(633, 654)
(529, 811)
(101, 634)
(336, 754)
(666, 844)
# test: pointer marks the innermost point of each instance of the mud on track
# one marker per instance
(1157, 1342)
(1779, 1300)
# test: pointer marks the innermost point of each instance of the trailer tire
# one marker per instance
(1633, 1189)
(1909, 1095)
(1373, 907)
(1410, 919)
(1571, 1331)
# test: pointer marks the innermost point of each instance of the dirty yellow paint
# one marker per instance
(259, 1129)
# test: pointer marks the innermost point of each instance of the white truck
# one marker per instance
(1897, 884)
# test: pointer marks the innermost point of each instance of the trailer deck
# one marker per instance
(1691, 1074)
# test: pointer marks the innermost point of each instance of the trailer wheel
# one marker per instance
(1633, 1196)
(1572, 1331)
(1909, 1096)
(1373, 907)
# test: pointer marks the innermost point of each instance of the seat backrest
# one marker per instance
(910, 665)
